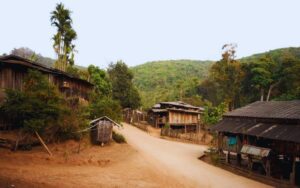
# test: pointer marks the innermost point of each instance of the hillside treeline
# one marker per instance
(269, 76)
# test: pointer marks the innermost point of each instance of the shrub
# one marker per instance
(105, 106)
(119, 138)
(36, 107)
(41, 107)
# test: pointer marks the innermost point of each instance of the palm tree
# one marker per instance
(61, 19)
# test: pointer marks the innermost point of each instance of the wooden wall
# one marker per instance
(182, 118)
(12, 77)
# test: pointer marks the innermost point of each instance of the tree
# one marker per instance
(213, 115)
(105, 106)
(122, 87)
(100, 80)
(25, 52)
(263, 76)
(63, 39)
(227, 75)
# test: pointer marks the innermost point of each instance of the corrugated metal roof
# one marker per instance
(158, 110)
(104, 117)
(178, 104)
(254, 150)
(286, 132)
(271, 109)
(183, 110)
(17, 60)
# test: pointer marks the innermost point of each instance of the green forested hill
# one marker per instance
(177, 79)
(277, 55)
(168, 80)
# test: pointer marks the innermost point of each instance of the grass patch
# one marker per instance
(119, 138)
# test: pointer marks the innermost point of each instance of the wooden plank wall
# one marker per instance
(12, 77)
(182, 118)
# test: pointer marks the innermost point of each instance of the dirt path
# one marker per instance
(181, 160)
(114, 165)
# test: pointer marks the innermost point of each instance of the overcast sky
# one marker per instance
(138, 31)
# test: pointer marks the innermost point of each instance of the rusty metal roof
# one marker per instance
(276, 131)
(271, 110)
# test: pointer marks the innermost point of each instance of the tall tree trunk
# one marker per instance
(262, 94)
(270, 90)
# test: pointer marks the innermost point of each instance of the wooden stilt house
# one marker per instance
(175, 114)
(13, 69)
(263, 137)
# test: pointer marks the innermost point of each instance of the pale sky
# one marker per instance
(138, 31)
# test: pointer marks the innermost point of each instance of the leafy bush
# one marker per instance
(41, 107)
(214, 156)
(119, 138)
(36, 107)
(105, 106)
(213, 114)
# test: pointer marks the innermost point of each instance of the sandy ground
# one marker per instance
(181, 161)
(115, 165)
(146, 161)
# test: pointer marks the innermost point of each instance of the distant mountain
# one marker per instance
(164, 80)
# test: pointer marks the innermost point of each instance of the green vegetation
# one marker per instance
(270, 76)
(105, 106)
(123, 89)
(40, 107)
(213, 114)
(119, 138)
(169, 80)
(63, 39)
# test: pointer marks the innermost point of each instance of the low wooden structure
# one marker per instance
(175, 114)
(132, 116)
(13, 69)
(263, 137)
(101, 130)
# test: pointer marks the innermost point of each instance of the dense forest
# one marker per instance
(169, 80)
(272, 75)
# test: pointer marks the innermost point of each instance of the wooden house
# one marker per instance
(13, 69)
(101, 130)
(176, 115)
(263, 137)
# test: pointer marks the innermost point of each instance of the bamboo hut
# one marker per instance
(101, 130)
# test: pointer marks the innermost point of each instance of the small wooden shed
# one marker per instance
(101, 130)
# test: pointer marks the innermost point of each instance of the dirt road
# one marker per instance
(180, 160)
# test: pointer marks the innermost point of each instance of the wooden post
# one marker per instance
(239, 159)
(185, 131)
(228, 157)
(43, 143)
(293, 173)
(249, 162)
(78, 151)
(268, 168)
(220, 139)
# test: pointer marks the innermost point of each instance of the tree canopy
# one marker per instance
(64, 37)
(123, 89)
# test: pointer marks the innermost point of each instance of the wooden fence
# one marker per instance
(199, 137)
